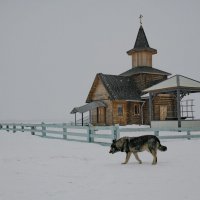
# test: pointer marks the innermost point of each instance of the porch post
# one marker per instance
(97, 115)
(178, 108)
(75, 119)
(150, 107)
(142, 114)
(90, 118)
(82, 119)
(178, 101)
(105, 115)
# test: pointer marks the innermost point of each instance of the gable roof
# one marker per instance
(144, 70)
(141, 43)
(119, 87)
(177, 81)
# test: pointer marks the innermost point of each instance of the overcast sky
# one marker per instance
(51, 50)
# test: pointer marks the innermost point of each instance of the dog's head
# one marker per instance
(121, 144)
(114, 148)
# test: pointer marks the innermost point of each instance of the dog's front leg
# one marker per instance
(137, 157)
(128, 155)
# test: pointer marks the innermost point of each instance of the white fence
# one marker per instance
(98, 134)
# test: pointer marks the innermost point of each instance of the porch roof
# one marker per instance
(174, 83)
(87, 107)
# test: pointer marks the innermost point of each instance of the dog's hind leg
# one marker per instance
(137, 157)
(154, 154)
(128, 155)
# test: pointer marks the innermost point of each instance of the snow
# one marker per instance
(32, 167)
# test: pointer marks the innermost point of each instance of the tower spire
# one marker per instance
(141, 53)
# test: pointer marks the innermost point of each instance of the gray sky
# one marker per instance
(51, 50)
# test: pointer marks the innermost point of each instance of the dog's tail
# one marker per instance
(162, 148)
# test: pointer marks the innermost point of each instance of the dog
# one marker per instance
(134, 145)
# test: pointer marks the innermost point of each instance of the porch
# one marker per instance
(99, 106)
(178, 86)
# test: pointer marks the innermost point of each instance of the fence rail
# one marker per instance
(97, 134)
(172, 133)
(66, 131)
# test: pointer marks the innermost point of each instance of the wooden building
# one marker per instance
(122, 98)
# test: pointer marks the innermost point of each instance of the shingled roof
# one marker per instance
(141, 43)
(143, 70)
(141, 40)
(120, 87)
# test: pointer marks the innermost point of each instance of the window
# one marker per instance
(136, 110)
(120, 110)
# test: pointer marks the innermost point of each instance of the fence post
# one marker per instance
(7, 128)
(14, 128)
(22, 127)
(90, 133)
(117, 131)
(43, 130)
(188, 134)
(32, 130)
(113, 133)
(156, 133)
(64, 131)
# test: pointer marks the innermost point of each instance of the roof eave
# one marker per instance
(164, 73)
(172, 89)
(131, 51)
(127, 73)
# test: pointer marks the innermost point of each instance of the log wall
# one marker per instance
(164, 100)
(144, 81)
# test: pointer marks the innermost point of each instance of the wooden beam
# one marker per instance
(97, 115)
(105, 115)
(90, 117)
(150, 107)
(82, 119)
(178, 108)
(178, 101)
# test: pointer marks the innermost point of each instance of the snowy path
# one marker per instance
(33, 168)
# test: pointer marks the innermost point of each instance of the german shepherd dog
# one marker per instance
(134, 145)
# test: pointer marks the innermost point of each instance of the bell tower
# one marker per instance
(141, 53)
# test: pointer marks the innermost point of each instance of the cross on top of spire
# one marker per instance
(140, 19)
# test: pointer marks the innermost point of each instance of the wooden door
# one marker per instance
(101, 115)
(163, 112)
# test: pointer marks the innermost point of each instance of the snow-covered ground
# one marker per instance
(35, 168)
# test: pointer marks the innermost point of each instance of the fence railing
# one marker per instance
(164, 133)
(97, 134)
